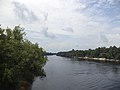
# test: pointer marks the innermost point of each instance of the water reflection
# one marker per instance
(71, 74)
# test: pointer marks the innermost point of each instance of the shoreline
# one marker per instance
(100, 59)
(96, 59)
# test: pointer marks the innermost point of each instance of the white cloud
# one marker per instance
(47, 34)
(114, 39)
(23, 13)
(68, 29)
(103, 38)
(7, 16)
(69, 22)
(117, 28)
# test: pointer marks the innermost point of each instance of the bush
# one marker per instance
(20, 59)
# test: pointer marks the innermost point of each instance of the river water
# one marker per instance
(70, 74)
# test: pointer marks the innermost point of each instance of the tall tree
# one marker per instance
(20, 59)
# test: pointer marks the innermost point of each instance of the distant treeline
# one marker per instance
(20, 59)
(112, 52)
(49, 53)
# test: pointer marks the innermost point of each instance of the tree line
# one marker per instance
(112, 52)
(20, 59)
(49, 53)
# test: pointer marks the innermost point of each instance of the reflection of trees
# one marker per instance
(105, 68)
(109, 71)
(115, 69)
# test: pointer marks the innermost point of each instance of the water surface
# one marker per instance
(70, 74)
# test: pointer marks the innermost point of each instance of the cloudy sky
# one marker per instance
(59, 25)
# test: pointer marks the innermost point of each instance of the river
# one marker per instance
(71, 74)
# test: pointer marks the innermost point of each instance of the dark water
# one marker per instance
(70, 74)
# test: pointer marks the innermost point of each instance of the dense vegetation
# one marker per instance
(101, 52)
(49, 53)
(20, 60)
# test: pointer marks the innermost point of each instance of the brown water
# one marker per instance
(70, 74)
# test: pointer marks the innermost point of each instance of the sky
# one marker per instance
(60, 25)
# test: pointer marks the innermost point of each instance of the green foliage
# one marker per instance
(117, 56)
(101, 52)
(19, 58)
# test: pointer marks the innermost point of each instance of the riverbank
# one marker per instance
(100, 59)
(95, 59)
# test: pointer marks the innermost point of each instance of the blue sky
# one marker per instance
(59, 25)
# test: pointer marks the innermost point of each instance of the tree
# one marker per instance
(101, 52)
(117, 57)
(20, 59)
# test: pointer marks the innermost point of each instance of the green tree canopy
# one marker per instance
(20, 59)
(112, 52)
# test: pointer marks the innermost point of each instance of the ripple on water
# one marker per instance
(67, 74)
